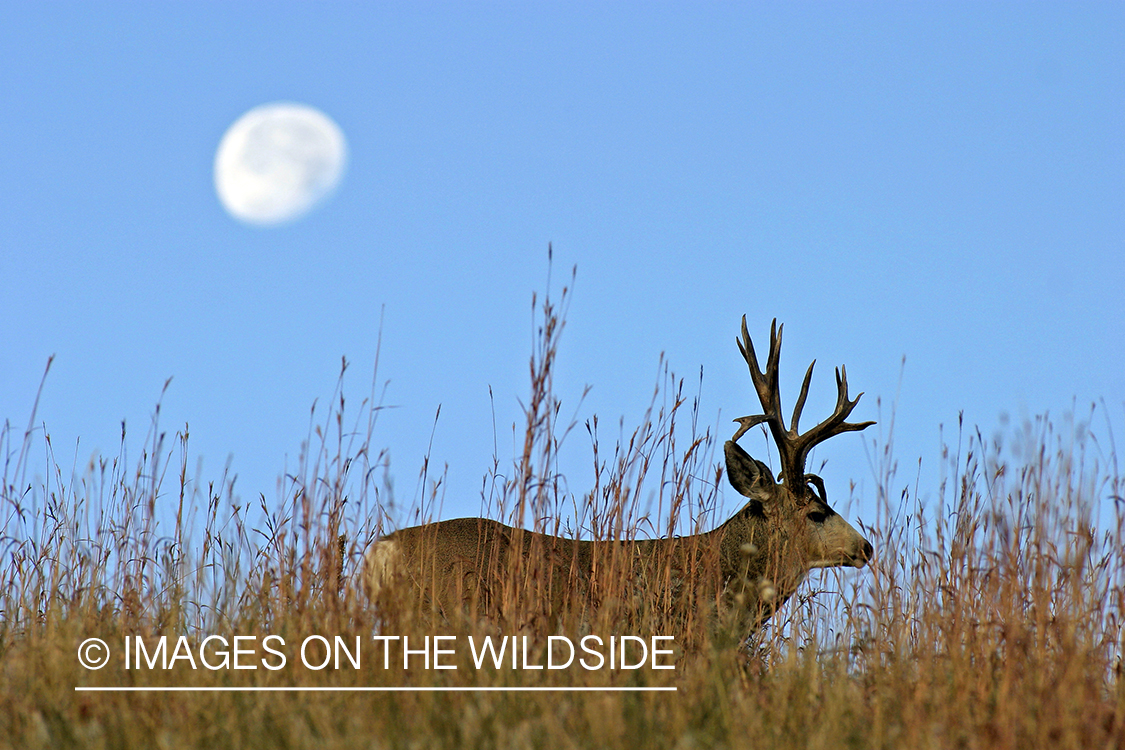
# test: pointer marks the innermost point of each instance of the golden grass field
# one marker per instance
(991, 617)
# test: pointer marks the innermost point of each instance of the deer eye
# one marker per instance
(817, 516)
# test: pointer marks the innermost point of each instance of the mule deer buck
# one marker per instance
(748, 566)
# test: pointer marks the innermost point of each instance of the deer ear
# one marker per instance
(748, 475)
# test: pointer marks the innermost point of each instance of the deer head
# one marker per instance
(789, 523)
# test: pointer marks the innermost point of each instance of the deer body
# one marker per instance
(750, 564)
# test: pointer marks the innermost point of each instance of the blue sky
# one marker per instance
(941, 182)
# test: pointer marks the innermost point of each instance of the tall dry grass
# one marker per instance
(991, 616)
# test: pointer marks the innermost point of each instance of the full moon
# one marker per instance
(278, 161)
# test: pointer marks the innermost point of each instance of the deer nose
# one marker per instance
(868, 551)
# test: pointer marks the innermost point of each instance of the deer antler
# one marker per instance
(792, 446)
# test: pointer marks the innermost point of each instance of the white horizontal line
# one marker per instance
(290, 689)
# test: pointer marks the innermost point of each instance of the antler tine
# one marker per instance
(746, 347)
(817, 482)
(747, 423)
(775, 348)
(768, 391)
(799, 407)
